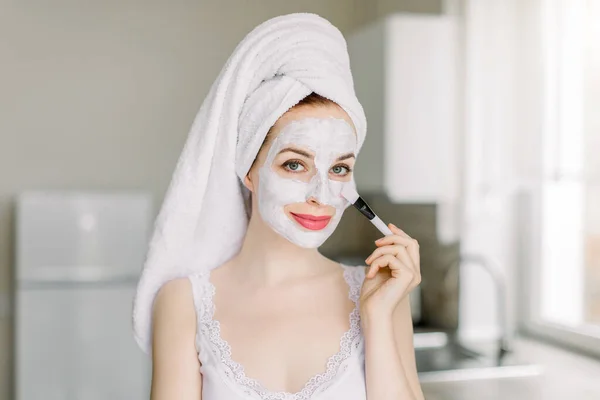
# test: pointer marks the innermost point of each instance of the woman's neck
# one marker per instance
(267, 258)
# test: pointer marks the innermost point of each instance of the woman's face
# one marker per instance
(299, 174)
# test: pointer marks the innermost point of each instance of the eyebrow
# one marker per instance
(297, 151)
(346, 156)
(308, 155)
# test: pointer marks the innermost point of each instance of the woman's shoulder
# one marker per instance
(173, 318)
(174, 301)
(182, 292)
(174, 287)
(174, 356)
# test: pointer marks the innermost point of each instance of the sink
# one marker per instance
(440, 357)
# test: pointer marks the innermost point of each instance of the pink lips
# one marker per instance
(312, 222)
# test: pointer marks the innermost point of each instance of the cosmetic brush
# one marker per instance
(350, 194)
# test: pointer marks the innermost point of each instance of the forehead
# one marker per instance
(311, 111)
(317, 134)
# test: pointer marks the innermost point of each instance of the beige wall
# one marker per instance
(100, 95)
(369, 10)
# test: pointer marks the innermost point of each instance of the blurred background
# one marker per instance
(483, 144)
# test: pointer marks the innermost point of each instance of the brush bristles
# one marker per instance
(349, 193)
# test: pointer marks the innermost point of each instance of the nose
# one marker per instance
(318, 190)
(313, 201)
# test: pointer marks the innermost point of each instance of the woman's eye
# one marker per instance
(340, 170)
(294, 166)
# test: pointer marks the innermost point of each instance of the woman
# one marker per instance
(276, 319)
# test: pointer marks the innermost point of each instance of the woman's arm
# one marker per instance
(404, 335)
(390, 357)
(175, 365)
(386, 318)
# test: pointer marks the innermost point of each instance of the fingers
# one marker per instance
(393, 257)
(387, 257)
(386, 260)
(400, 237)
(406, 259)
(397, 251)
(378, 252)
(398, 268)
(394, 239)
(397, 231)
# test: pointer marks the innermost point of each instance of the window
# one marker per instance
(565, 280)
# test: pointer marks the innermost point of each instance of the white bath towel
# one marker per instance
(203, 218)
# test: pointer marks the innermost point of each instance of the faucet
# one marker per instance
(492, 268)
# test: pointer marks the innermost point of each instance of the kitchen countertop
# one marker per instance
(566, 376)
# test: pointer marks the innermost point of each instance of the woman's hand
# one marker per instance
(394, 271)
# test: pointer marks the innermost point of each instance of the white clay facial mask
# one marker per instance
(327, 139)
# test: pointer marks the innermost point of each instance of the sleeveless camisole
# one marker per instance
(223, 378)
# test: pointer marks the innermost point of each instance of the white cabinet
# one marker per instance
(406, 77)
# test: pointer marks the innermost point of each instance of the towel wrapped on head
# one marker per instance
(203, 218)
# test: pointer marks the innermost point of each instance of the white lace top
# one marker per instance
(224, 378)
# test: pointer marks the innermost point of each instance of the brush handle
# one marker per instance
(379, 224)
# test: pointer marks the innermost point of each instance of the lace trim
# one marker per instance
(349, 342)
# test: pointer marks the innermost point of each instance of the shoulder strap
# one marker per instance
(354, 275)
(202, 293)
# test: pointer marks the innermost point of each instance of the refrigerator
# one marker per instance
(78, 257)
